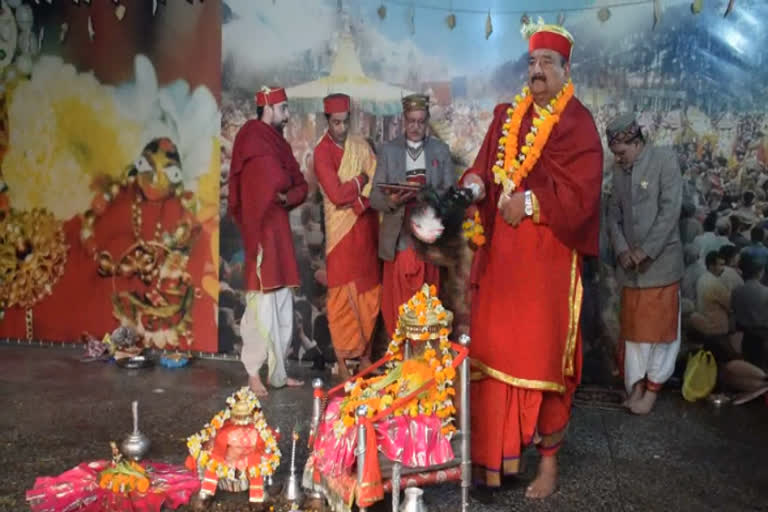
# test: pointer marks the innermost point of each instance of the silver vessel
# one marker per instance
(136, 445)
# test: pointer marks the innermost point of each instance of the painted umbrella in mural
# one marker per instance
(347, 77)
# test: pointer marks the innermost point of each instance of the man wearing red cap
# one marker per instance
(345, 166)
(537, 182)
(265, 183)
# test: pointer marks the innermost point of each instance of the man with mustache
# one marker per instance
(419, 159)
(643, 224)
(265, 183)
(537, 183)
(345, 165)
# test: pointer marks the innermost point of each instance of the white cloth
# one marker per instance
(266, 329)
(653, 360)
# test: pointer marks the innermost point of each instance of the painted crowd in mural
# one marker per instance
(666, 66)
(117, 121)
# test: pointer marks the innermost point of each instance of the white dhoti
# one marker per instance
(654, 361)
(266, 329)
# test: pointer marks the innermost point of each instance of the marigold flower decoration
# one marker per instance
(404, 377)
(126, 477)
(270, 459)
(473, 231)
(513, 164)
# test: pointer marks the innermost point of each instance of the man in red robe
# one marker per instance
(345, 166)
(537, 181)
(265, 184)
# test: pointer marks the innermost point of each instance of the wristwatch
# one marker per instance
(528, 203)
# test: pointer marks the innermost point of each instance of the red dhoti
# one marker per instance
(499, 434)
(526, 349)
(402, 278)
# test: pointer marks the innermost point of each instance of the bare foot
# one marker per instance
(635, 395)
(257, 387)
(645, 404)
(293, 383)
(343, 370)
(546, 480)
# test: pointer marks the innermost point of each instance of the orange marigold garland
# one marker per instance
(202, 456)
(123, 476)
(514, 164)
(473, 231)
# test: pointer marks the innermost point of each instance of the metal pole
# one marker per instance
(396, 472)
(466, 429)
(317, 413)
(362, 411)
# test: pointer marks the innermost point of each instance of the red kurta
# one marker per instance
(525, 312)
(354, 259)
(262, 166)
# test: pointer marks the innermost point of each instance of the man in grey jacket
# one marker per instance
(643, 225)
(418, 159)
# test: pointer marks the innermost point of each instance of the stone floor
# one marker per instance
(58, 411)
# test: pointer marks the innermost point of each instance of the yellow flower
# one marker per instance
(65, 130)
(208, 187)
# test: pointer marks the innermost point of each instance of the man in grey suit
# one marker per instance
(417, 159)
(643, 225)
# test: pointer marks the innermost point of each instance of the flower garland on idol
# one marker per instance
(405, 377)
(270, 459)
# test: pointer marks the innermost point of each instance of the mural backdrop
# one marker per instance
(695, 78)
(109, 124)
(110, 135)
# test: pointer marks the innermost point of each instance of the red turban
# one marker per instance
(270, 96)
(554, 38)
(336, 103)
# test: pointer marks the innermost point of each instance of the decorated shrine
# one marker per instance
(237, 450)
(393, 424)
